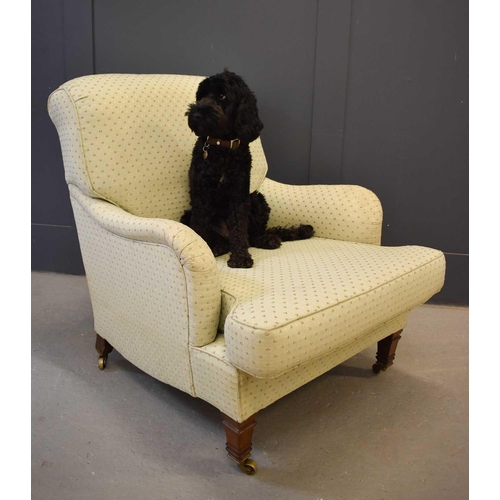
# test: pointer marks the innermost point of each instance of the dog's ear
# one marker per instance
(247, 123)
(202, 89)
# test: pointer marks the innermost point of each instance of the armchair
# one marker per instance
(239, 339)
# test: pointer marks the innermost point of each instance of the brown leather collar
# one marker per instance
(233, 144)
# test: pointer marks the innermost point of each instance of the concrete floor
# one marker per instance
(120, 434)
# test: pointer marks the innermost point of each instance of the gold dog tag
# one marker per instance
(205, 154)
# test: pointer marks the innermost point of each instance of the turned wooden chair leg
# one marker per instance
(386, 352)
(239, 442)
(103, 347)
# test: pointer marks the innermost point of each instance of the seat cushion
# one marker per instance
(308, 298)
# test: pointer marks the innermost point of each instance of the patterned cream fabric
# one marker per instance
(63, 114)
(111, 255)
(348, 213)
(240, 395)
(159, 295)
(125, 139)
(309, 297)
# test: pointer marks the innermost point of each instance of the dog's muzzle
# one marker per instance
(205, 116)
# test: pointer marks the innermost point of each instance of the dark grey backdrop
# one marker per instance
(350, 91)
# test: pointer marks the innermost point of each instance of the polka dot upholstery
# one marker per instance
(309, 297)
(125, 139)
(240, 395)
(63, 114)
(349, 213)
(138, 299)
(188, 254)
(160, 297)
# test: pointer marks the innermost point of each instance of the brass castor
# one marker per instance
(378, 368)
(101, 363)
(248, 466)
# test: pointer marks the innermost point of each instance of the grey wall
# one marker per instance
(350, 91)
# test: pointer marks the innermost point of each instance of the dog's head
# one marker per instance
(226, 108)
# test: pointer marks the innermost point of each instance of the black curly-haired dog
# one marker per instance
(223, 211)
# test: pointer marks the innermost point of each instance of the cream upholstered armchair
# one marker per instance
(238, 338)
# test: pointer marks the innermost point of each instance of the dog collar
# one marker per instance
(213, 141)
(232, 144)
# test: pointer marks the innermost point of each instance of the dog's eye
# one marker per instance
(222, 97)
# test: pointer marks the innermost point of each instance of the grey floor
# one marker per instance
(120, 434)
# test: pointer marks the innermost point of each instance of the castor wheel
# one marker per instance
(101, 363)
(378, 368)
(248, 466)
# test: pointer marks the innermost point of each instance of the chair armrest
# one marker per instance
(187, 254)
(341, 212)
(190, 249)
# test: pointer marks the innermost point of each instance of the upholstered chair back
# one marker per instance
(125, 139)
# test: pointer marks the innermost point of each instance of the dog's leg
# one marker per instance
(302, 232)
(238, 235)
(201, 222)
(217, 243)
(267, 241)
(259, 217)
(221, 245)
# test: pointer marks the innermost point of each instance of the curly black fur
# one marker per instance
(223, 212)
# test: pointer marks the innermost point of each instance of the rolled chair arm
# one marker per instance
(187, 252)
(191, 249)
(341, 212)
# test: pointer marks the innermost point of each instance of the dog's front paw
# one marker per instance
(240, 261)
